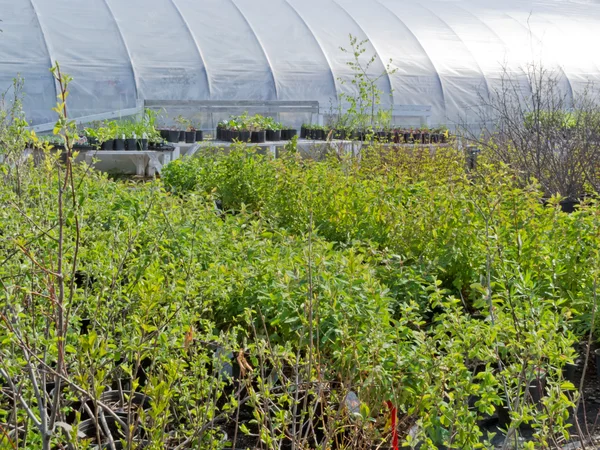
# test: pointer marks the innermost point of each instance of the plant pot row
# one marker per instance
(189, 137)
(396, 137)
(124, 144)
(255, 137)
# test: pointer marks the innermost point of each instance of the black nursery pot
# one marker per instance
(142, 144)
(417, 137)
(273, 135)
(108, 145)
(199, 136)
(597, 354)
(218, 133)
(568, 206)
(303, 133)
(320, 135)
(291, 133)
(164, 134)
(190, 137)
(181, 136)
(244, 136)
(406, 138)
(570, 372)
(258, 137)
(92, 141)
(131, 144)
(173, 136)
(119, 144)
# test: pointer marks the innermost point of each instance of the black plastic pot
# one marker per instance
(417, 138)
(406, 138)
(182, 136)
(568, 205)
(142, 144)
(245, 136)
(173, 136)
(124, 398)
(503, 416)
(218, 134)
(89, 429)
(234, 135)
(571, 373)
(190, 137)
(273, 135)
(164, 134)
(537, 388)
(258, 137)
(425, 138)
(108, 145)
(91, 141)
(303, 133)
(119, 144)
(597, 354)
(131, 144)
(199, 136)
(320, 135)
(291, 133)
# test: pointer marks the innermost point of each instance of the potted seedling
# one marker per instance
(288, 133)
(244, 134)
(190, 135)
(105, 138)
(92, 136)
(273, 130)
(257, 128)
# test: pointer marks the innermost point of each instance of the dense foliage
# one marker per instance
(287, 303)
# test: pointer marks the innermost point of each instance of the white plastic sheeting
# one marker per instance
(446, 53)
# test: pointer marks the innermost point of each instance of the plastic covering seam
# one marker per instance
(487, 86)
(261, 47)
(133, 71)
(333, 78)
(530, 31)
(437, 74)
(391, 92)
(48, 48)
(198, 49)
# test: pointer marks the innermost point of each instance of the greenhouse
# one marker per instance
(444, 54)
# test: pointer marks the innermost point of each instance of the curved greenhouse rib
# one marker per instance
(391, 92)
(437, 74)
(133, 71)
(487, 86)
(529, 30)
(261, 47)
(189, 30)
(47, 45)
(311, 32)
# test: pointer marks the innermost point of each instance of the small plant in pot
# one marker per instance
(190, 135)
(258, 129)
(92, 136)
(105, 138)
(120, 141)
(273, 129)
